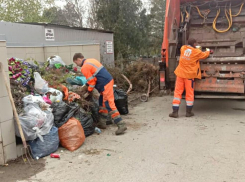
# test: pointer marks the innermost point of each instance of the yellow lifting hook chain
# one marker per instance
(228, 15)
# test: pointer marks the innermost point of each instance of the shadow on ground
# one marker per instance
(219, 106)
(18, 170)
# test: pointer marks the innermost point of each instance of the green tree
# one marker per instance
(129, 22)
(72, 14)
(23, 10)
(92, 18)
(144, 33)
(157, 24)
(55, 15)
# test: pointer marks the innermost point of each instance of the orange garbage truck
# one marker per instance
(215, 24)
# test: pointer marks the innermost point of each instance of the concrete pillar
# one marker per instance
(7, 131)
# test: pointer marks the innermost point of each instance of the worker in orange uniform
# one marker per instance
(187, 70)
(98, 77)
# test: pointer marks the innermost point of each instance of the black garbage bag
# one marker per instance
(86, 121)
(94, 109)
(44, 148)
(74, 110)
(70, 109)
(60, 109)
(121, 101)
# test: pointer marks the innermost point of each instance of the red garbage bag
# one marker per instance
(71, 134)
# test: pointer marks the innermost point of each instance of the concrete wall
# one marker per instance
(41, 54)
(36, 53)
(8, 149)
(67, 52)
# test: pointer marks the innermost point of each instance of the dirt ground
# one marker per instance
(209, 147)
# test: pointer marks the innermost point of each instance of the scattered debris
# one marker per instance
(92, 152)
(97, 130)
(55, 156)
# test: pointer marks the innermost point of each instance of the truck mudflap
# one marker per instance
(224, 75)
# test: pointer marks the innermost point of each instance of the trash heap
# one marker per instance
(51, 107)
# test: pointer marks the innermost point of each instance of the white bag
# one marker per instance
(55, 60)
(41, 86)
(35, 122)
(38, 100)
(58, 97)
(30, 99)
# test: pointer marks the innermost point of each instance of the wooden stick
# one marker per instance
(149, 88)
(154, 89)
(130, 84)
(13, 106)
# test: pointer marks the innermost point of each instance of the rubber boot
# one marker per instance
(174, 114)
(121, 128)
(109, 120)
(102, 122)
(188, 112)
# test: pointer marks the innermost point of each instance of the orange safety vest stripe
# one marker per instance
(89, 69)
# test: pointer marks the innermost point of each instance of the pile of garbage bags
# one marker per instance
(46, 125)
(48, 121)
(52, 116)
(64, 112)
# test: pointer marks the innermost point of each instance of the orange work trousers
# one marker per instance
(181, 85)
(107, 103)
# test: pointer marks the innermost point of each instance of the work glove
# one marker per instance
(82, 88)
(199, 47)
(95, 94)
(86, 95)
(211, 51)
(207, 49)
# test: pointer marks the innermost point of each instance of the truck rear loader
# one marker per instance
(215, 24)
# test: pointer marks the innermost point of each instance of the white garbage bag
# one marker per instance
(38, 100)
(41, 86)
(30, 99)
(56, 96)
(35, 122)
(55, 60)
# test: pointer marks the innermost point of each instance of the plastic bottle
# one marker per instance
(97, 130)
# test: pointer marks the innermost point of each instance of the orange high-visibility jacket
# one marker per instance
(189, 66)
(96, 74)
